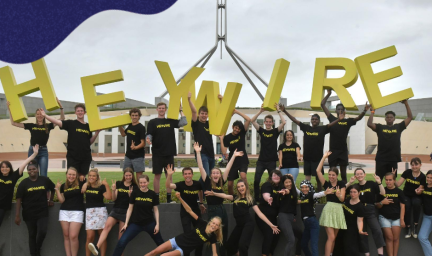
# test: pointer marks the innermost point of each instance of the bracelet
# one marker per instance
(61, 108)
(279, 111)
(380, 184)
(200, 203)
(373, 111)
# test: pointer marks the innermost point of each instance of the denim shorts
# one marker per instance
(137, 164)
(388, 223)
(175, 246)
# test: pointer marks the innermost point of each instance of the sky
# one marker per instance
(260, 32)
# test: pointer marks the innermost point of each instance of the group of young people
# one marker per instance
(349, 210)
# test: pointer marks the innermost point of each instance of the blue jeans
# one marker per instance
(293, 171)
(208, 164)
(310, 233)
(42, 159)
(425, 230)
(132, 231)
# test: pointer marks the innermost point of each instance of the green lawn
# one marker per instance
(111, 176)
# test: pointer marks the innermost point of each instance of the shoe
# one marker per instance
(172, 202)
(93, 249)
(414, 232)
(408, 232)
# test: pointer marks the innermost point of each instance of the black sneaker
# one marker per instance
(93, 249)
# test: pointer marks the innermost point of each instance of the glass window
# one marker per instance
(109, 144)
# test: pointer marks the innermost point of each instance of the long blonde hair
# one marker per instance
(248, 196)
(218, 233)
(67, 184)
(98, 181)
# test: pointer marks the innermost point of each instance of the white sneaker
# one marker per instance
(93, 249)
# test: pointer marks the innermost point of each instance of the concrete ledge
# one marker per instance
(14, 239)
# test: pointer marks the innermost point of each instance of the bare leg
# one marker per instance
(103, 247)
(331, 237)
(89, 239)
(388, 235)
(380, 251)
(396, 234)
(74, 229)
(161, 249)
(67, 245)
(138, 174)
(108, 226)
(308, 177)
(336, 231)
(156, 183)
(243, 176)
(171, 181)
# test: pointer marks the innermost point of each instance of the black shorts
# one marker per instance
(82, 167)
(310, 168)
(160, 163)
(338, 157)
(381, 168)
(118, 214)
(234, 172)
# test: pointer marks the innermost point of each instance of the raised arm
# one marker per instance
(60, 196)
(122, 131)
(366, 108)
(370, 123)
(51, 119)
(93, 138)
(254, 118)
(222, 145)
(221, 195)
(20, 125)
(283, 121)
(186, 206)
(182, 121)
(107, 194)
(282, 108)
(192, 107)
(264, 218)
(230, 164)
(197, 148)
(62, 115)
(246, 118)
(27, 161)
(323, 103)
(320, 166)
(409, 113)
(170, 172)
(340, 118)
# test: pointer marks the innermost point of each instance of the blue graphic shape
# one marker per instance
(29, 30)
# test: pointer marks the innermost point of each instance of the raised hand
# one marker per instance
(404, 101)
(281, 107)
(377, 178)
(329, 191)
(327, 154)
(394, 171)
(338, 192)
(59, 103)
(170, 170)
(130, 190)
(42, 112)
(189, 95)
(8, 103)
(367, 106)
(58, 184)
(104, 182)
(197, 147)
(113, 185)
(329, 91)
(352, 179)
(276, 106)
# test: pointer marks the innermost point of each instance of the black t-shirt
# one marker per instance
(352, 211)
(412, 183)
(233, 142)
(7, 187)
(143, 202)
(189, 194)
(194, 238)
(163, 136)
(78, 142)
(74, 199)
(213, 200)
(307, 205)
(135, 133)
(268, 138)
(241, 210)
(392, 211)
(313, 141)
(201, 132)
(427, 200)
(267, 209)
(33, 196)
(369, 192)
(389, 142)
(287, 204)
(122, 201)
(339, 133)
(38, 133)
(95, 197)
(289, 155)
(332, 197)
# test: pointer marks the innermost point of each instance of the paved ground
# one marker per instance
(56, 159)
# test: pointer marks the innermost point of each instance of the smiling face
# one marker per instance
(202, 116)
(354, 194)
(215, 175)
(305, 189)
(390, 182)
(288, 184)
(332, 176)
(80, 112)
(275, 178)
(315, 121)
(92, 177)
(289, 136)
(360, 175)
(5, 169)
(32, 171)
(429, 179)
(415, 166)
(187, 175)
(143, 183)
(241, 189)
(236, 130)
(39, 117)
(213, 225)
(268, 123)
(161, 109)
(71, 175)
(135, 118)
(128, 176)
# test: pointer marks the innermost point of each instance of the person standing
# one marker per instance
(389, 140)
(39, 134)
(426, 227)
(339, 134)
(79, 140)
(289, 155)
(313, 142)
(160, 134)
(268, 152)
(236, 140)
(8, 180)
(189, 191)
(32, 196)
(71, 215)
(135, 135)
